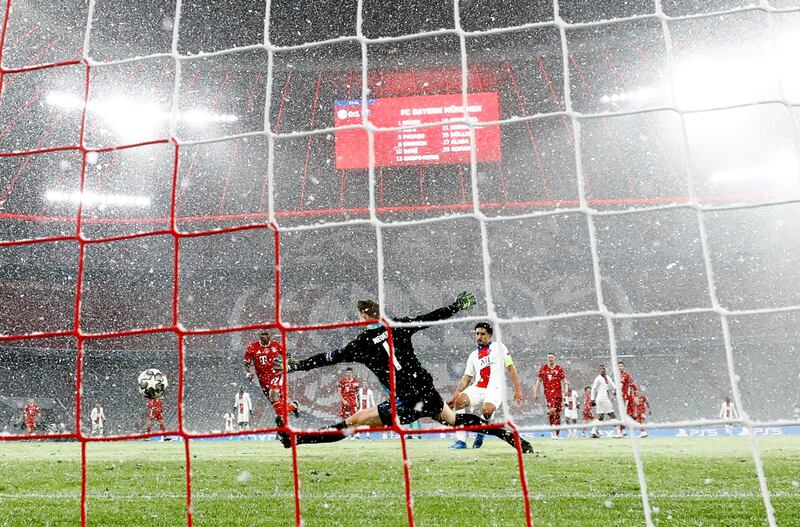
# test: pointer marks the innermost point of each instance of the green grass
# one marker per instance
(701, 481)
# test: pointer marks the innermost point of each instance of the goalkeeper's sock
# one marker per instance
(502, 433)
(314, 439)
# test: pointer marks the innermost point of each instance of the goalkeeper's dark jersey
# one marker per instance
(371, 349)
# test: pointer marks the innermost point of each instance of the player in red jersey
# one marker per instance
(628, 389)
(155, 412)
(587, 413)
(552, 376)
(264, 356)
(30, 413)
(348, 393)
(641, 407)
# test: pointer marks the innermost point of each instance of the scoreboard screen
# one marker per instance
(448, 143)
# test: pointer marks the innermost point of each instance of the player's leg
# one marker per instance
(489, 408)
(351, 411)
(277, 405)
(461, 436)
(600, 417)
(347, 411)
(461, 405)
(629, 411)
(557, 422)
(275, 395)
(448, 416)
(558, 405)
(550, 415)
(370, 417)
(491, 403)
(149, 427)
(618, 434)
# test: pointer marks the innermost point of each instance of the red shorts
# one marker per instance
(155, 415)
(588, 416)
(272, 382)
(639, 418)
(276, 383)
(556, 402)
(30, 424)
(629, 407)
(348, 411)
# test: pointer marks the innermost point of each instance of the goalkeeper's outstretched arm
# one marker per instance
(463, 302)
(346, 354)
(357, 347)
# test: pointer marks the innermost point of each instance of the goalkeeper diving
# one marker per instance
(416, 396)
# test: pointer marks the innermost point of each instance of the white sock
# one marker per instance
(461, 435)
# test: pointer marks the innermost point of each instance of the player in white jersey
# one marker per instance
(243, 407)
(98, 417)
(571, 410)
(728, 411)
(486, 366)
(230, 422)
(366, 399)
(601, 387)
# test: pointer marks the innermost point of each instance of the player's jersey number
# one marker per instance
(395, 361)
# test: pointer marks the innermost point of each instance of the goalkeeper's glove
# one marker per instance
(291, 364)
(465, 301)
(594, 403)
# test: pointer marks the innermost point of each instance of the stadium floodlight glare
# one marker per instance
(92, 199)
(779, 171)
(708, 83)
(135, 117)
(638, 95)
(203, 117)
(787, 43)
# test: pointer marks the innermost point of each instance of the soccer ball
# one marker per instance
(152, 383)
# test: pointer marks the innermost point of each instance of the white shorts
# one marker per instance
(604, 406)
(571, 414)
(97, 426)
(480, 396)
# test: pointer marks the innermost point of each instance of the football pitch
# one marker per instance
(575, 482)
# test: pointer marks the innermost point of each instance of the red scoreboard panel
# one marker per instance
(434, 145)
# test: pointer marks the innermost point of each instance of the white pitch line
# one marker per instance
(390, 495)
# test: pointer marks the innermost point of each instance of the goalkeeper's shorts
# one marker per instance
(428, 404)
